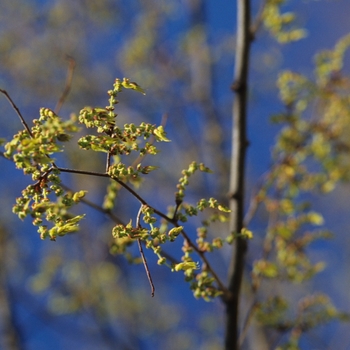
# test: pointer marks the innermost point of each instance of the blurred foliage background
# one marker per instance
(73, 292)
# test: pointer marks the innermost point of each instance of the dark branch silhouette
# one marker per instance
(236, 191)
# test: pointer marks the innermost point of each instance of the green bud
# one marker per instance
(187, 265)
(174, 232)
(161, 261)
(127, 84)
(160, 134)
(78, 196)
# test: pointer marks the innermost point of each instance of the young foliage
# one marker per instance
(281, 25)
(310, 158)
(48, 201)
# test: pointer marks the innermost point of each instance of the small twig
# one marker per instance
(82, 172)
(246, 323)
(97, 207)
(148, 273)
(24, 123)
(254, 200)
(108, 162)
(123, 184)
(115, 219)
(17, 111)
(146, 267)
(68, 83)
(176, 209)
(205, 260)
(138, 217)
(258, 19)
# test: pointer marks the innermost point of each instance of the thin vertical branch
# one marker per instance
(108, 161)
(68, 84)
(149, 276)
(139, 243)
(11, 337)
(236, 192)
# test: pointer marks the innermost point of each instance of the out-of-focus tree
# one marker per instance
(174, 51)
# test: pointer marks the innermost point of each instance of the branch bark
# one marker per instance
(237, 171)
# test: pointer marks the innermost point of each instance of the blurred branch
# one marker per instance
(246, 323)
(255, 199)
(258, 19)
(10, 333)
(66, 90)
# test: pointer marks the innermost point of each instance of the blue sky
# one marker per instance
(326, 22)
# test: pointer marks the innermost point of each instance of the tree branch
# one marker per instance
(68, 83)
(236, 191)
(159, 213)
(172, 220)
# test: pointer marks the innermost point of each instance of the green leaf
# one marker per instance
(79, 195)
(188, 265)
(161, 134)
(224, 209)
(127, 84)
(174, 232)
(315, 218)
(246, 233)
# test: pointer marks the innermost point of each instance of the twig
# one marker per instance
(17, 111)
(123, 184)
(148, 273)
(68, 83)
(24, 123)
(246, 323)
(205, 260)
(114, 219)
(178, 204)
(146, 267)
(254, 200)
(97, 207)
(82, 172)
(108, 161)
(258, 19)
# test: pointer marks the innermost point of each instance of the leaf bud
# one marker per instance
(161, 261)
